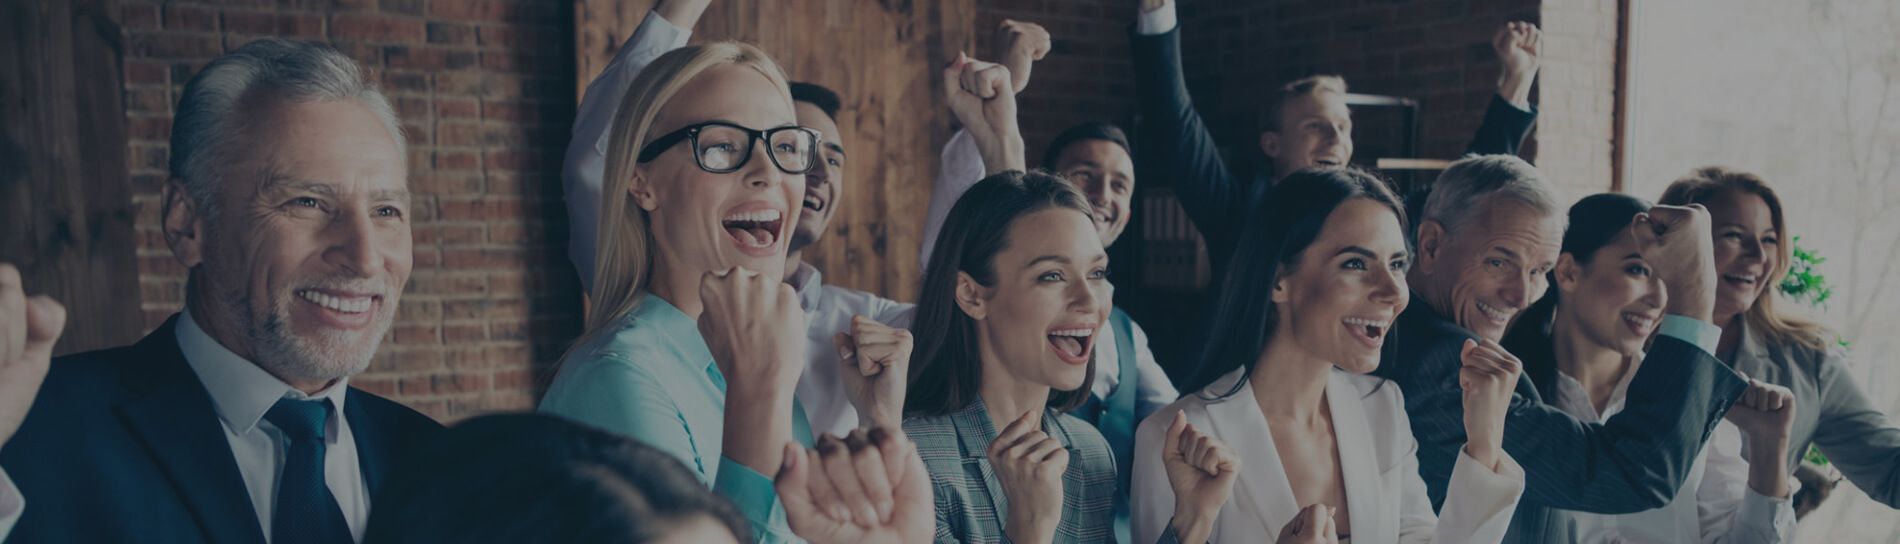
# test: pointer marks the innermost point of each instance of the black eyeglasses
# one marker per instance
(720, 147)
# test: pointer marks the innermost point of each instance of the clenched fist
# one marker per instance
(1030, 464)
(29, 326)
(1201, 472)
(1487, 379)
(876, 361)
(755, 330)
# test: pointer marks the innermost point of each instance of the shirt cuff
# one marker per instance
(665, 34)
(1769, 518)
(1159, 21)
(756, 499)
(1703, 334)
(12, 504)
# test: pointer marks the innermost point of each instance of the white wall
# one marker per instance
(1807, 94)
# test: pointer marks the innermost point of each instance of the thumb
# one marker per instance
(791, 484)
(45, 321)
(1465, 353)
(1171, 448)
(1643, 228)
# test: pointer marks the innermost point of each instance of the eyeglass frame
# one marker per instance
(690, 134)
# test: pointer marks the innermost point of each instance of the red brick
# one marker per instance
(457, 108)
(464, 333)
(377, 28)
(189, 17)
(148, 127)
(496, 10)
(144, 72)
(447, 33)
(427, 58)
(264, 23)
(175, 45)
(138, 16)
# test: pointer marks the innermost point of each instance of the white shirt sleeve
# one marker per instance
(1159, 21)
(585, 165)
(1728, 510)
(12, 504)
(1154, 391)
(1478, 504)
(960, 168)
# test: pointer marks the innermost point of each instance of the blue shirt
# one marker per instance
(651, 377)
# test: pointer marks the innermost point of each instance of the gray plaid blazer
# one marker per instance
(970, 502)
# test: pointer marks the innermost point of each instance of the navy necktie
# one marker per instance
(306, 512)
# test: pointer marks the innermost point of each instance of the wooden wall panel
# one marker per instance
(884, 57)
(65, 209)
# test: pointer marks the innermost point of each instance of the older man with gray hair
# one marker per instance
(234, 421)
(1489, 234)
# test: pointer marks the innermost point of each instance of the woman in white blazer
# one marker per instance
(1329, 451)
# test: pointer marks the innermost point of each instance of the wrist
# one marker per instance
(1191, 526)
(1516, 88)
(1027, 528)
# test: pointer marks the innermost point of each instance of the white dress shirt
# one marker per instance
(242, 393)
(828, 311)
(1723, 507)
(1377, 458)
(11, 505)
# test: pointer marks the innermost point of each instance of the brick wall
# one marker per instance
(1085, 77)
(1578, 96)
(484, 89)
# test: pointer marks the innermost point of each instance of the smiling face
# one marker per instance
(1315, 130)
(1104, 173)
(1493, 267)
(1339, 299)
(1037, 324)
(300, 268)
(824, 183)
(703, 221)
(1747, 249)
(1615, 299)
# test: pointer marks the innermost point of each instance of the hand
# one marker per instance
(1519, 46)
(810, 489)
(1488, 379)
(754, 328)
(980, 97)
(1020, 44)
(1313, 525)
(1201, 471)
(1677, 240)
(29, 326)
(1030, 465)
(876, 361)
(1764, 413)
(1151, 5)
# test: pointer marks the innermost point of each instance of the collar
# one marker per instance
(241, 391)
(807, 281)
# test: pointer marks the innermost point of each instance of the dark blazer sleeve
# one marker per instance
(1503, 129)
(1635, 461)
(1173, 142)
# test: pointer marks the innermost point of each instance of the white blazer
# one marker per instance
(1377, 456)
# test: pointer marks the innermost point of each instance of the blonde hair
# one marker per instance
(624, 248)
(1309, 85)
(1780, 328)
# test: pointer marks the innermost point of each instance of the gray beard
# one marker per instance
(280, 351)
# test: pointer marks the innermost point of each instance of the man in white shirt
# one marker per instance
(234, 421)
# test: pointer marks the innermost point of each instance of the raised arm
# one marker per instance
(1174, 142)
(1508, 119)
(666, 28)
(982, 96)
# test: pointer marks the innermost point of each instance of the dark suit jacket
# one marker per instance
(1635, 461)
(1174, 143)
(124, 445)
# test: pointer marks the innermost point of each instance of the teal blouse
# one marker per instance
(652, 378)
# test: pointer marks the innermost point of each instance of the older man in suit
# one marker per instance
(1489, 234)
(234, 421)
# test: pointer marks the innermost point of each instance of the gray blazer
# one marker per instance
(971, 506)
(1830, 411)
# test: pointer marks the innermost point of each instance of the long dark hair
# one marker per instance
(1279, 227)
(1594, 221)
(538, 478)
(948, 370)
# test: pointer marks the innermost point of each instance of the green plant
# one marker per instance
(1805, 283)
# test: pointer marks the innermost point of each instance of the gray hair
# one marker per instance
(210, 113)
(1471, 181)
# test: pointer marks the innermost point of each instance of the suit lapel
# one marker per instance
(974, 434)
(1353, 434)
(172, 416)
(1262, 491)
(371, 450)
